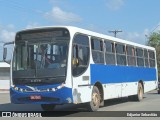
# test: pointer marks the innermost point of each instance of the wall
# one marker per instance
(4, 78)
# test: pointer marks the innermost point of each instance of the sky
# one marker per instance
(136, 18)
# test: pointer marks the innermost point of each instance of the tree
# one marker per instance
(154, 41)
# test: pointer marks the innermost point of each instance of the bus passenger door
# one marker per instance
(80, 68)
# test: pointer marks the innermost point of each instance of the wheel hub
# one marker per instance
(140, 93)
(95, 99)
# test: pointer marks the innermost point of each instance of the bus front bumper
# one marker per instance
(61, 96)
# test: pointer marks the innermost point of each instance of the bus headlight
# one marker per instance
(53, 89)
(16, 88)
(21, 90)
(48, 90)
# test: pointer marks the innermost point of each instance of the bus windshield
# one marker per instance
(40, 56)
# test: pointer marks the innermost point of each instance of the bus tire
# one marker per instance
(158, 91)
(95, 100)
(48, 107)
(139, 95)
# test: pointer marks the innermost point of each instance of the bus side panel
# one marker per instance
(123, 78)
(149, 85)
(129, 88)
(112, 91)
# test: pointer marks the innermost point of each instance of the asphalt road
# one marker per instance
(151, 102)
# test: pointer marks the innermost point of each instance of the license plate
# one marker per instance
(35, 97)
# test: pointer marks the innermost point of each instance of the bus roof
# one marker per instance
(94, 34)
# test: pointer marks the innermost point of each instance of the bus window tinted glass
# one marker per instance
(152, 59)
(120, 49)
(131, 56)
(109, 46)
(140, 57)
(80, 54)
(121, 56)
(97, 50)
(110, 53)
(146, 58)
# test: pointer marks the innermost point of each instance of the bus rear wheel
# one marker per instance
(48, 107)
(139, 95)
(95, 100)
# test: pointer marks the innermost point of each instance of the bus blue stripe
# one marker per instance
(119, 74)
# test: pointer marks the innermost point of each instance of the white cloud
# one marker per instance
(60, 16)
(32, 25)
(92, 27)
(114, 4)
(10, 26)
(6, 35)
(135, 36)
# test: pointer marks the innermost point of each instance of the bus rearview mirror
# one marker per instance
(4, 54)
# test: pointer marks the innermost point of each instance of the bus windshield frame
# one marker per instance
(40, 57)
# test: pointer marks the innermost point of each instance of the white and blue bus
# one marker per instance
(61, 65)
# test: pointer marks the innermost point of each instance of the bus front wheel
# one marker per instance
(48, 107)
(95, 100)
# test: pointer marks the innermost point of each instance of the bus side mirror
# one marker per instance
(4, 54)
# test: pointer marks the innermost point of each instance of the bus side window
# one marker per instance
(110, 53)
(146, 58)
(120, 54)
(152, 59)
(131, 56)
(97, 50)
(140, 57)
